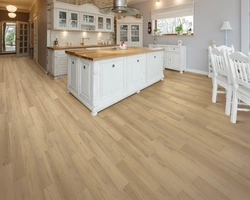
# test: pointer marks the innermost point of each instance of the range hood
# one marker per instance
(120, 9)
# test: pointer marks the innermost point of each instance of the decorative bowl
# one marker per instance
(124, 47)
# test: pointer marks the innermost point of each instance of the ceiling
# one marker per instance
(25, 5)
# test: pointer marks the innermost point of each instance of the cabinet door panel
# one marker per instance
(62, 16)
(112, 78)
(136, 71)
(73, 75)
(154, 65)
(85, 80)
(175, 58)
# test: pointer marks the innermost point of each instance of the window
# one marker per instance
(173, 20)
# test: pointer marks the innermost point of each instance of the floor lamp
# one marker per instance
(225, 27)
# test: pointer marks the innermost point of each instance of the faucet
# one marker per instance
(82, 43)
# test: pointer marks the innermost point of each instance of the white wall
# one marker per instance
(208, 18)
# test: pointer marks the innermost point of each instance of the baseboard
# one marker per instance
(196, 71)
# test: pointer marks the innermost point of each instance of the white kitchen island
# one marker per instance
(100, 78)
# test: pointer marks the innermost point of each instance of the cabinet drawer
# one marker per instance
(177, 49)
(60, 52)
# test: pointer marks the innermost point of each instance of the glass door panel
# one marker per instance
(74, 20)
(100, 23)
(22, 38)
(88, 19)
(135, 30)
(124, 33)
(62, 19)
(108, 23)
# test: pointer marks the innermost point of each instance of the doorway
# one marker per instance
(8, 37)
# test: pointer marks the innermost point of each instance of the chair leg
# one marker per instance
(228, 100)
(234, 108)
(214, 94)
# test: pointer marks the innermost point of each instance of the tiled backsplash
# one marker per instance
(75, 38)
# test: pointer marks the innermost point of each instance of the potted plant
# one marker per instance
(10, 38)
(157, 31)
(179, 29)
(189, 32)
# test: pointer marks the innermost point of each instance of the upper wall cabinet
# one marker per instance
(71, 17)
(105, 23)
(129, 29)
(66, 20)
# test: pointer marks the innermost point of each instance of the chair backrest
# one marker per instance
(229, 49)
(220, 63)
(240, 69)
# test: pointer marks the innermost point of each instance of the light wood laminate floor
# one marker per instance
(167, 142)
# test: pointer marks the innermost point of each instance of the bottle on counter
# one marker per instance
(56, 42)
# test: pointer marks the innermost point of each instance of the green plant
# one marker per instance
(10, 37)
(179, 29)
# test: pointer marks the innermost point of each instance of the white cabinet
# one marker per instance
(65, 20)
(101, 83)
(105, 23)
(174, 56)
(57, 62)
(84, 17)
(129, 30)
(136, 69)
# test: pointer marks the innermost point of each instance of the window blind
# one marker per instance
(173, 11)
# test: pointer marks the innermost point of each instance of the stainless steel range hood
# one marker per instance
(120, 9)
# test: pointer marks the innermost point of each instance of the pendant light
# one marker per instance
(12, 15)
(11, 8)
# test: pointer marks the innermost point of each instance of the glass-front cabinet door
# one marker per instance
(62, 19)
(105, 23)
(100, 23)
(134, 33)
(123, 33)
(74, 20)
(87, 19)
(108, 23)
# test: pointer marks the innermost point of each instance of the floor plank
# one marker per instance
(168, 142)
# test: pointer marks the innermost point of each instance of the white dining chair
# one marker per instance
(221, 76)
(240, 69)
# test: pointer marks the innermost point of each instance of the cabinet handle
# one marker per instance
(113, 65)
(138, 60)
(84, 67)
(73, 62)
(154, 56)
(173, 48)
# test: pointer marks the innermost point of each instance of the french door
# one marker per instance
(22, 39)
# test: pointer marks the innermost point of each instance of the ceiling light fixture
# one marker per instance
(11, 8)
(158, 2)
(12, 15)
(120, 8)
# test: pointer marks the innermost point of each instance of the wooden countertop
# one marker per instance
(103, 54)
(81, 46)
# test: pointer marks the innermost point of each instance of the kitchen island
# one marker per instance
(100, 78)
